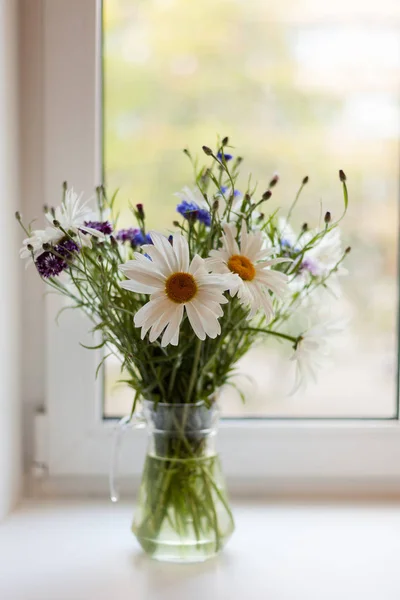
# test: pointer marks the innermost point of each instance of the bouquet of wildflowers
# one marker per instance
(180, 309)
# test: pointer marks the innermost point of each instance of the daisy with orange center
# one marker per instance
(251, 265)
(175, 287)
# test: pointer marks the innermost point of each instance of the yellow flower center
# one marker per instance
(242, 266)
(180, 287)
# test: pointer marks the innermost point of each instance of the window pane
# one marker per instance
(302, 88)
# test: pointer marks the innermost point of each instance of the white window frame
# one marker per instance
(258, 456)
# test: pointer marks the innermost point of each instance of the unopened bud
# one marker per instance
(186, 151)
(45, 208)
(140, 211)
(113, 241)
(239, 159)
(327, 217)
(64, 186)
(274, 181)
(29, 247)
(225, 141)
(305, 180)
(260, 217)
(348, 249)
(100, 258)
(207, 150)
(215, 205)
(342, 176)
(266, 195)
(18, 215)
(46, 246)
(304, 227)
(170, 239)
(56, 223)
(176, 224)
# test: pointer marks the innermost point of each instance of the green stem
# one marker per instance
(284, 336)
(193, 376)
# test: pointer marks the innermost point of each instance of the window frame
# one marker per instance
(258, 455)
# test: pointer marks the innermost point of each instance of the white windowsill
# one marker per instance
(83, 550)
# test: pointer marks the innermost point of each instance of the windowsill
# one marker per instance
(83, 550)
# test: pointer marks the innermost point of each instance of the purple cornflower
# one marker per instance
(192, 212)
(226, 156)
(105, 226)
(134, 236)
(310, 266)
(51, 265)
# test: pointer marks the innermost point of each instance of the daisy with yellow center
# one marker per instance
(250, 262)
(176, 285)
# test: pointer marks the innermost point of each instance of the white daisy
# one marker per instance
(254, 278)
(36, 240)
(175, 286)
(72, 215)
(313, 350)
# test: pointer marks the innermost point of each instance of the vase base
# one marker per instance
(181, 552)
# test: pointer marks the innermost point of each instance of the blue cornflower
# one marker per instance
(134, 236)
(226, 156)
(224, 189)
(192, 212)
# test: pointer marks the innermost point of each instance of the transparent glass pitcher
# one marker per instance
(182, 513)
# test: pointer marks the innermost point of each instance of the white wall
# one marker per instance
(31, 59)
(10, 375)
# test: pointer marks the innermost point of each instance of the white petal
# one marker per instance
(139, 288)
(141, 274)
(208, 320)
(171, 334)
(151, 311)
(162, 244)
(197, 266)
(195, 321)
(181, 249)
(230, 242)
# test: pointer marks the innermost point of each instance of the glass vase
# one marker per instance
(182, 513)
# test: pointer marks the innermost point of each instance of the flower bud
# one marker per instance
(305, 180)
(100, 258)
(327, 217)
(140, 211)
(186, 151)
(215, 205)
(29, 247)
(64, 186)
(113, 241)
(348, 249)
(18, 215)
(304, 227)
(175, 224)
(170, 239)
(46, 246)
(342, 176)
(207, 150)
(239, 159)
(267, 195)
(225, 141)
(45, 208)
(274, 181)
(260, 217)
(56, 223)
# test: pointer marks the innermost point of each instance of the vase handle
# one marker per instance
(136, 422)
